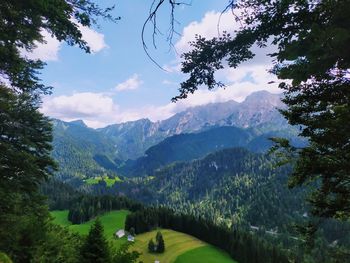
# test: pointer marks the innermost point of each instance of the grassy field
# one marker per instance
(112, 221)
(61, 217)
(177, 244)
(109, 181)
(179, 247)
(207, 254)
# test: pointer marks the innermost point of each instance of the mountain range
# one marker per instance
(259, 110)
(138, 147)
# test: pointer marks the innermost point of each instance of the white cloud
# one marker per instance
(91, 107)
(213, 24)
(95, 40)
(207, 27)
(49, 49)
(253, 74)
(98, 109)
(134, 82)
(95, 109)
(173, 67)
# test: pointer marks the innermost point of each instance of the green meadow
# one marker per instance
(179, 247)
(60, 217)
(107, 180)
(178, 244)
(207, 254)
(112, 221)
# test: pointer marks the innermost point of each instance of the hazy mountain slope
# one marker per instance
(80, 151)
(85, 152)
(186, 147)
(199, 117)
(132, 139)
(259, 110)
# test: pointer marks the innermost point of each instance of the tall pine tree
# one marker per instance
(160, 242)
(151, 246)
(25, 161)
(95, 248)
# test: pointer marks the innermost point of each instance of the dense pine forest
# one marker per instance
(232, 184)
(234, 188)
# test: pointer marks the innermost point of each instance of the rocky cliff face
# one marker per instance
(197, 118)
(259, 110)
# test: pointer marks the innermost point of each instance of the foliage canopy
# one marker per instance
(22, 24)
(25, 134)
(312, 61)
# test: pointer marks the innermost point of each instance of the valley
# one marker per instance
(210, 162)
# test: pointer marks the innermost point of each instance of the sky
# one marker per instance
(117, 82)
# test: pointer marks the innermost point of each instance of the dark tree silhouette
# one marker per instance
(151, 246)
(160, 242)
(95, 248)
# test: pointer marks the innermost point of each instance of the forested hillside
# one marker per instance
(186, 147)
(237, 188)
(233, 186)
(81, 152)
(238, 242)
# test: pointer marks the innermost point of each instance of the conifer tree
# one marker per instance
(124, 255)
(151, 246)
(95, 249)
(132, 231)
(160, 242)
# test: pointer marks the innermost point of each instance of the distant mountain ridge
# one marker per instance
(83, 152)
(258, 110)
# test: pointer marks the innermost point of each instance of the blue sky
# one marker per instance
(118, 82)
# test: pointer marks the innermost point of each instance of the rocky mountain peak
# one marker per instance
(263, 97)
(78, 122)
